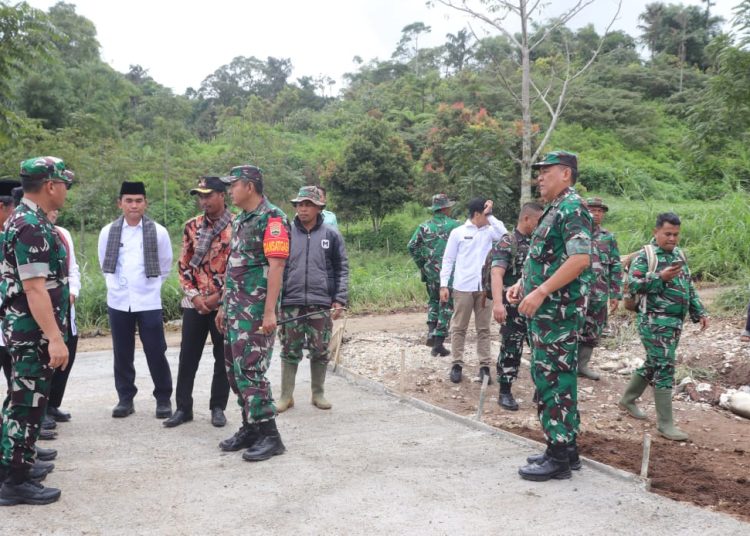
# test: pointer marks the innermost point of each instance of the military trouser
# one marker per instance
(5, 362)
(660, 343)
(313, 333)
(554, 355)
(596, 319)
(437, 312)
(30, 384)
(247, 355)
(512, 334)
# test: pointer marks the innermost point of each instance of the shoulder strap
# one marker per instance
(651, 257)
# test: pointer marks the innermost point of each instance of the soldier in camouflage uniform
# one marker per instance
(667, 295)
(508, 256)
(606, 289)
(34, 311)
(7, 204)
(258, 251)
(426, 247)
(553, 291)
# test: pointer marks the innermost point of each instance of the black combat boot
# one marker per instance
(430, 328)
(573, 458)
(267, 446)
(20, 489)
(245, 437)
(505, 398)
(46, 455)
(555, 465)
(40, 469)
(438, 349)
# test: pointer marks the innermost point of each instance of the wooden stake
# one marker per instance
(482, 394)
(646, 455)
(403, 371)
(340, 342)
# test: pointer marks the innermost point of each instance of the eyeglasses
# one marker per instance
(68, 185)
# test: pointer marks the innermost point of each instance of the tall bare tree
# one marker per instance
(552, 91)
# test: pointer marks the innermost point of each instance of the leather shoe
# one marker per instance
(28, 492)
(164, 409)
(507, 401)
(179, 417)
(123, 409)
(485, 371)
(217, 417)
(267, 446)
(573, 459)
(48, 423)
(57, 414)
(39, 470)
(46, 455)
(47, 435)
(244, 438)
(456, 373)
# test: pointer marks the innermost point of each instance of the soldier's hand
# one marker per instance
(499, 311)
(531, 303)
(337, 310)
(670, 272)
(704, 323)
(613, 304)
(220, 320)
(444, 294)
(58, 354)
(269, 322)
(513, 294)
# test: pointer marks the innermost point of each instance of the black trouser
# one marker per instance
(195, 329)
(151, 331)
(60, 377)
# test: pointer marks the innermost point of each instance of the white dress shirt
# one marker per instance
(128, 289)
(74, 276)
(466, 251)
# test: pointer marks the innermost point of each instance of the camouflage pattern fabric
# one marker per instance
(667, 304)
(597, 313)
(510, 253)
(426, 247)
(564, 229)
(31, 248)
(313, 333)
(248, 353)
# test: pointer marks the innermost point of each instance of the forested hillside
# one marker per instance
(659, 116)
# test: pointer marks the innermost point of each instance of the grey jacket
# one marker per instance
(317, 270)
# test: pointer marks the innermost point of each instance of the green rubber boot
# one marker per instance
(288, 374)
(584, 356)
(635, 389)
(665, 421)
(317, 380)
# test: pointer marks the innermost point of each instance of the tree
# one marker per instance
(374, 175)
(458, 50)
(551, 89)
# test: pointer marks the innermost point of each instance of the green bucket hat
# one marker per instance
(45, 168)
(596, 202)
(309, 193)
(563, 158)
(441, 201)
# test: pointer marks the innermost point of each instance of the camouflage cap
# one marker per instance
(562, 158)
(440, 201)
(45, 168)
(596, 202)
(246, 171)
(309, 193)
(206, 185)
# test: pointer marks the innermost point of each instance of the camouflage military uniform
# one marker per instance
(32, 248)
(426, 247)
(667, 304)
(510, 253)
(256, 236)
(565, 229)
(607, 285)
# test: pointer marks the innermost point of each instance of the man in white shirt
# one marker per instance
(135, 254)
(464, 257)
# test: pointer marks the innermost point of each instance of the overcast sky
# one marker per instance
(181, 42)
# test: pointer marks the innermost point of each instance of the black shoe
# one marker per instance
(164, 409)
(267, 446)
(28, 492)
(485, 371)
(573, 459)
(217, 417)
(40, 470)
(430, 337)
(245, 437)
(438, 349)
(507, 401)
(555, 465)
(123, 409)
(456, 373)
(47, 435)
(48, 423)
(57, 414)
(180, 416)
(46, 455)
